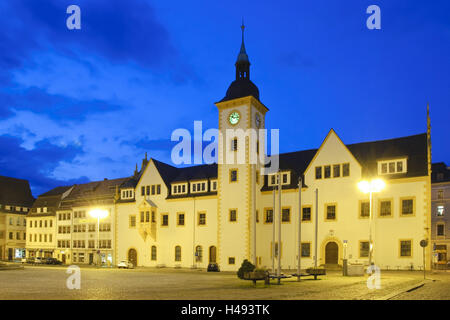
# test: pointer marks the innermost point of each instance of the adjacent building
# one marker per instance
(15, 202)
(440, 221)
(42, 223)
(80, 237)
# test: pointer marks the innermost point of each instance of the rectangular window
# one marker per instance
(306, 214)
(233, 175)
(147, 216)
(158, 189)
(165, 220)
(142, 217)
(132, 221)
(440, 211)
(202, 219)
(231, 260)
(405, 248)
(385, 208)
(180, 219)
(306, 250)
(285, 178)
(153, 253)
(440, 230)
(234, 144)
(346, 169)
(364, 249)
(331, 212)
(440, 194)
(318, 172)
(142, 191)
(147, 189)
(391, 167)
(364, 209)
(384, 168)
(153, 190)
(153, 217)
(336, 171)
(286, 215)
(268, 216)
(327, 172)
(233, 215)
(407, 207)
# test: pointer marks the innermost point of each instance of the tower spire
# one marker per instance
(242, 62)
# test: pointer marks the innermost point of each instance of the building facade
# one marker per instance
(80, 237)
(15, 202)
(42, 223)
(223, 213)
(440, 226)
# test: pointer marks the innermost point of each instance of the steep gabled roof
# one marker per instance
(414, 148)
(50, 200)
(15, 192)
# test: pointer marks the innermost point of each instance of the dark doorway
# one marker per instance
(10, 254)
(63, 258)
(212, 254)
(331, 253)
(132, 256)
(91, 258)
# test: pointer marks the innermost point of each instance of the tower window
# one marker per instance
(233, 215)
(234, 144)
(233, 175)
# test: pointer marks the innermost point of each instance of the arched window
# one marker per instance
(198, 253)
(153, 253)
(177, 253)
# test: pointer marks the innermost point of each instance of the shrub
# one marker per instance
(246, 266)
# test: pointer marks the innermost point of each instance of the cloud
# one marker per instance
(36, 165)
(57, 106)
(115, 29)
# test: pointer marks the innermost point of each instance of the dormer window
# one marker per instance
(128, 194)
(285, 178)
(198, 187)
(392, 166)
(213, 184)
(179, 188)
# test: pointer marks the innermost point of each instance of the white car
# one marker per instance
(125, 264)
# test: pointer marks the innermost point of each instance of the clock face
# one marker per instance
(234, 117)
(258, 120)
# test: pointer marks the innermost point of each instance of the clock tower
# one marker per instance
(241, 115)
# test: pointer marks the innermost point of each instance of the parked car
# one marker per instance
(125, 264)
(213, 267)
(52, 261)
(38, 260)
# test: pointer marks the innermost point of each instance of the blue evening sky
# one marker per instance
(80, 105)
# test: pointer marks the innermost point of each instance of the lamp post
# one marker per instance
(375, 185)
(98, 214)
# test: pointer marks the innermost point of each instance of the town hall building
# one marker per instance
(165, 216)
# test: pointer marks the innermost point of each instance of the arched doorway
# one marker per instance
(212, 254)
(331, 253)
(132, 256)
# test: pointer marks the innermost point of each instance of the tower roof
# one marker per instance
(242, 86)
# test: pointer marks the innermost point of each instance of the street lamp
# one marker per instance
(375, 185)
(98, 214)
